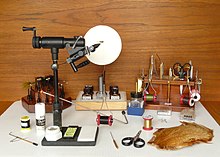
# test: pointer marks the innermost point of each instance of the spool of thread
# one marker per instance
(187, 101)
(88, 90)
(195, 95)
(40, 116)
(104, 120)
(25, 123)
(150, 97)
(148, 122)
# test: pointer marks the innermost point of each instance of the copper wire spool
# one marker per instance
(148, 122)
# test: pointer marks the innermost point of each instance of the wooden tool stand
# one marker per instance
(98, 104)
(29, 101)
(168, 94)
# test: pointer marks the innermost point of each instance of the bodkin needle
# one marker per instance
(114, 140)
(23, 139)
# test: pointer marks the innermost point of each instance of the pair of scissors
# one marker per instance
(138, 142)
(181, 71)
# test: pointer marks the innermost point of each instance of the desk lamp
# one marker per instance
(101, 45)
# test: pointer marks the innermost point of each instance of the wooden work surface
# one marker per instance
(4, 106)
(214, 109)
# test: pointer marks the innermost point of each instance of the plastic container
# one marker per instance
(135, 106)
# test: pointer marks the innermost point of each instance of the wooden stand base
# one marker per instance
(97, 104)
(162, 106)
(30, 105)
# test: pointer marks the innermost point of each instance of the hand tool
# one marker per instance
(114, 140)
(23, 139)
(138, 142)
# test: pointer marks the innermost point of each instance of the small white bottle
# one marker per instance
(40, 116)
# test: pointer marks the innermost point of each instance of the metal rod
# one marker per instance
(57, 111)
(23, 139)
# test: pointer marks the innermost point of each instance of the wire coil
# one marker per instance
(148, 122)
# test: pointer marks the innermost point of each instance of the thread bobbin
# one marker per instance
(104, 120)
(184, 100)
(148, 122)
(25, 123)
(195, 95)
(150, 97)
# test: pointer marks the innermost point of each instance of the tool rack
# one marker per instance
(161, 87)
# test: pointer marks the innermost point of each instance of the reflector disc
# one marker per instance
(110, 47)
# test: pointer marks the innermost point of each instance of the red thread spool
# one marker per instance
(184, 100)
(104, 120)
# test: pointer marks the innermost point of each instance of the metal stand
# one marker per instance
(76, 49)
(57, 111)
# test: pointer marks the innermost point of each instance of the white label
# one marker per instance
(113, 97)
(86, 97)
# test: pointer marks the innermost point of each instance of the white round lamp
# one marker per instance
(110, 44)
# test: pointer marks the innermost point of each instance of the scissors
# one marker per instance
(181, 71)
(138, 142)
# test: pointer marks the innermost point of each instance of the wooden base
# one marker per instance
(97, 104)
(162, 106)
(30, 105)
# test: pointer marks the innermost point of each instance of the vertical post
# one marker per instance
(57, 111)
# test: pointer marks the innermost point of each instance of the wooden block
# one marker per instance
(30, 105)
(98, 104)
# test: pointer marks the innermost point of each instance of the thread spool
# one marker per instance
(148, 122)
(88, 90)
(25, 123)
(187, 101)
(150, 97)
(104, 120)
(114, 93)
(195, 95)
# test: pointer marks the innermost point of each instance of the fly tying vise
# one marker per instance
(100, 119)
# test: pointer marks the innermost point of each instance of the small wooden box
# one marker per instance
(98, 104)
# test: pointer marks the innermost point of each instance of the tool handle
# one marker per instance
(35, 144)
(139, 143)
(28, 28)
(127, 141)
(116, 145)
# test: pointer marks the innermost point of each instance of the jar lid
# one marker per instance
(136, 94)
(25, 118)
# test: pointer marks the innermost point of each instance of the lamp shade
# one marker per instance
(110, 47)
